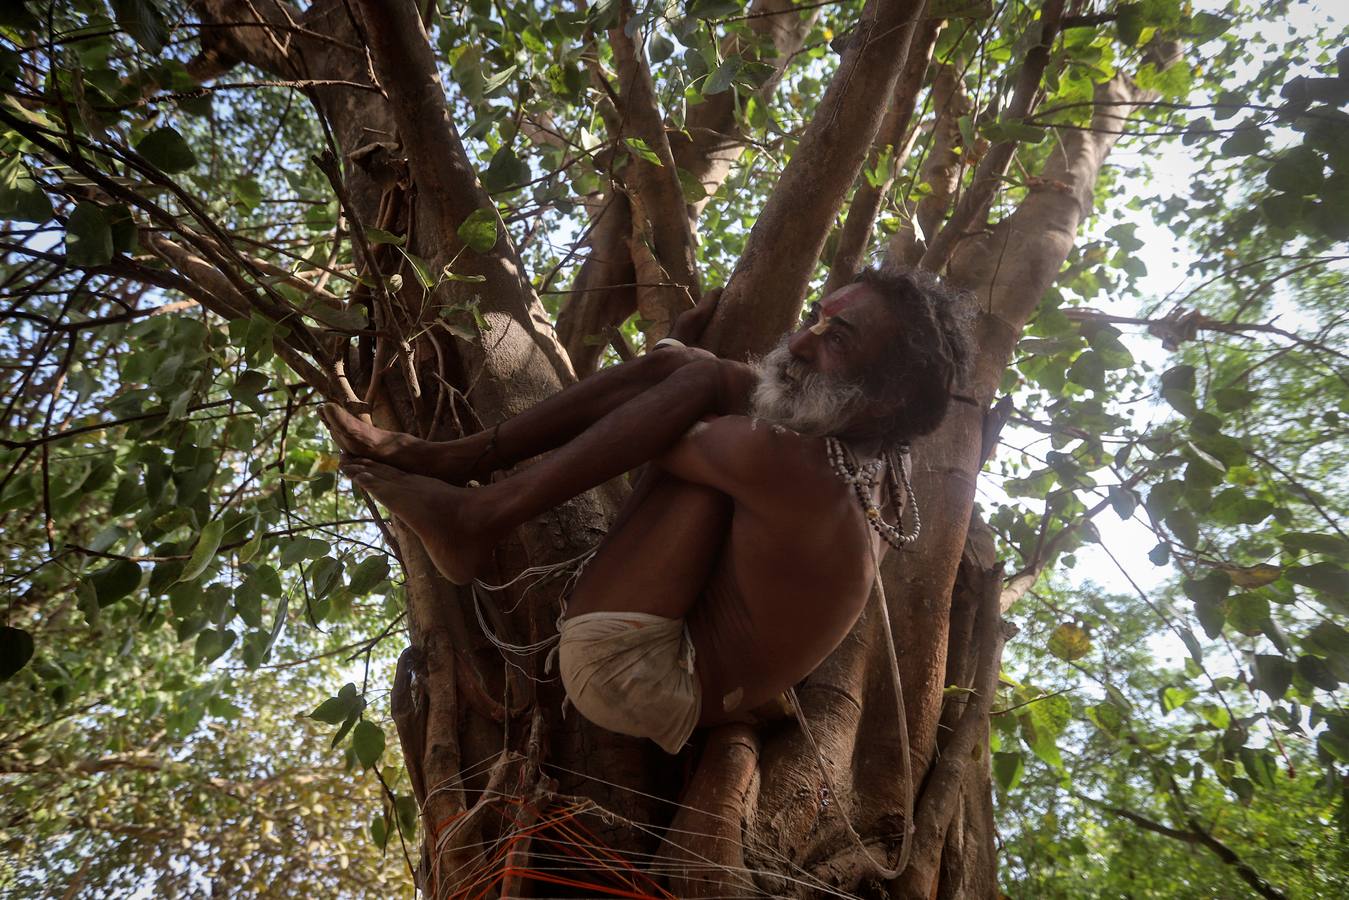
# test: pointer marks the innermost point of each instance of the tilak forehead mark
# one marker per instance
(841, 299)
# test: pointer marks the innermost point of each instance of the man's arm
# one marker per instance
(738, 456)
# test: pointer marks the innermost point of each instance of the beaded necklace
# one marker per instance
(864, 476)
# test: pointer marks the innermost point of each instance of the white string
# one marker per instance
(757, 846)
(881, 869)
(540, 574)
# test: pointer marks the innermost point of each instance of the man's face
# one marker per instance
(812, 381)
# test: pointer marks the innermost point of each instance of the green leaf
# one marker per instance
(368, 573)
(115, 581)
(1212, 587)
(204, 551)
(299, 549)
(1069, 642)
(693, 189)
(498, 80)
(379, 832)
(143, 21)
(367, 741)
(325, 575)
(1322, 577)
(1041, 724)
(966, 126)
(1273, 675)
(1000, 132)
(1297, 171)
(1192, 644)
(1260, 766)
(165, 149)
(479, 230)
(380, 236)
(24, 201)
(1174, 698)
(345, 707)
(1328, 639)
(1248, 613)
(1107, 717)
(246, 388)
(1123, 500)
(420, 269)
(1008, 769)
(1315, 671)
(1246, 140)
(333, 710)
(212, 644)
(505, 172)
(1211, 614)
(16, 649)
(1311, 542)
(1129, 23)
(1283, 210)
(640, 148)
(719, 80)
(88, 236)
(406, 808)
(125, 234)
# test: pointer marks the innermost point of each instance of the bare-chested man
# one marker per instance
(743, 558)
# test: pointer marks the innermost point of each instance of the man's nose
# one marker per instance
(802, 344)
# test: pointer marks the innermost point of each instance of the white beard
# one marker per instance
(789, 395)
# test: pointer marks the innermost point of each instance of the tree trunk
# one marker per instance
(493, 762)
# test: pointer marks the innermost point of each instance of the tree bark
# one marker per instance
(754, 814)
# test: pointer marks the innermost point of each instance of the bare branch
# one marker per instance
(974, 203)
(661, 242)
(1195, 835)
(942, 168)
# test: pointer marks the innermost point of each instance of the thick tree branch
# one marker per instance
(448, 190)
(764, 294)
(703, 848)
(897, 137)
(936, 804)
(706, 148)
(600, 298)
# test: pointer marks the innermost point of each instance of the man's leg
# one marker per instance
(547, 425)
(660, 555)
(460, 526)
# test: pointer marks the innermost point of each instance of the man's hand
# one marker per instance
(689, 327)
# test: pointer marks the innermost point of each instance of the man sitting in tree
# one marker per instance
(747, 550)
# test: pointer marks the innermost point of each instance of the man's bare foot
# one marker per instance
(449, 461)
(437, 512)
